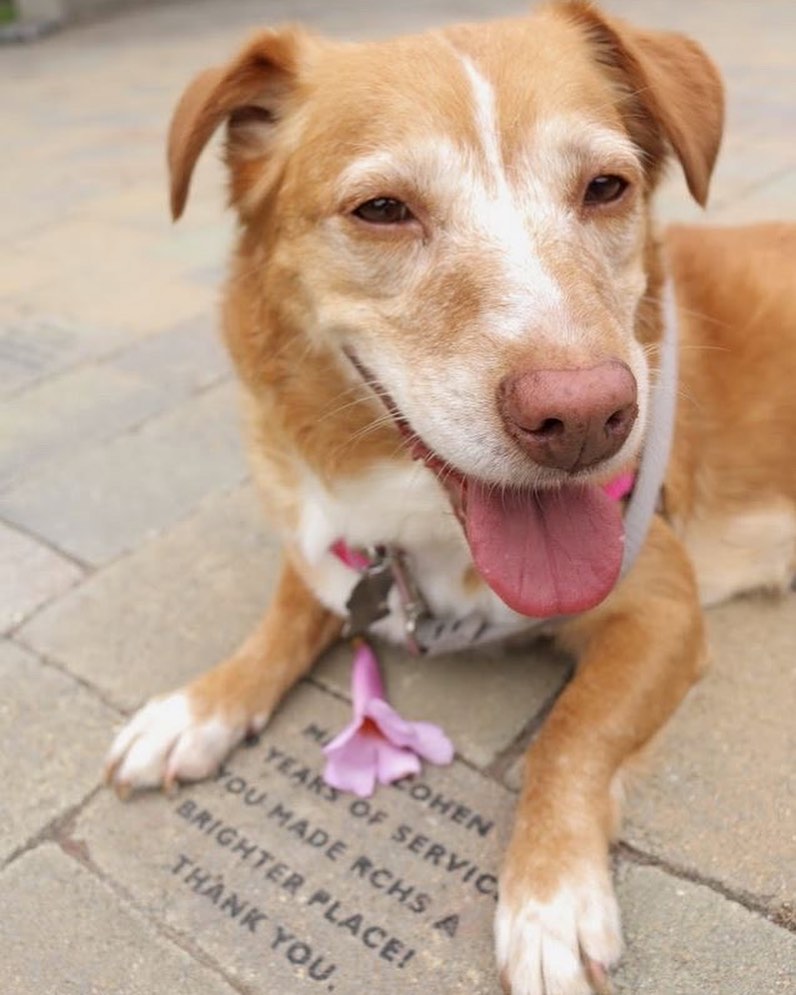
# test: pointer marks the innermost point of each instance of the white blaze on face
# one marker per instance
(545, 274)
(499, 220)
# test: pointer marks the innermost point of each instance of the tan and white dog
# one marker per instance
(446, 251)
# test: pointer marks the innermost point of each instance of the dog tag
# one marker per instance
(368, 601)
(445, 635)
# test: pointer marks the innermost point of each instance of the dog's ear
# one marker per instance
(250, 94)
(669, 87)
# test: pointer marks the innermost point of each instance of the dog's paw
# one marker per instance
(563, 946)
(166, 742)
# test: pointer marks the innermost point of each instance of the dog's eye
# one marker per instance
(384, 211)
(604, 190)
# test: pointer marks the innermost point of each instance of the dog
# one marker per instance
(445, 312)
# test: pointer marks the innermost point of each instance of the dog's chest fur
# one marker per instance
(401, 504)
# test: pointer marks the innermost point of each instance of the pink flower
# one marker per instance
(379, 744)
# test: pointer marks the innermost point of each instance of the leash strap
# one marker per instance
(658, 444)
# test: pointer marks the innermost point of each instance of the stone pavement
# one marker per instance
(132, 556)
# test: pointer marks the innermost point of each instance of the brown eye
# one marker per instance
(604, 190)
(384, 211)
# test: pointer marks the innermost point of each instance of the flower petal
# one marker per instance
(393, 763)
(353, 765)
(379, 743)
(343, 737)
(366, 684)
(392, 725)
(426, 739)
(432, 744)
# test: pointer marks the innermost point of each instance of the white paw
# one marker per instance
(164, 743)
(564, 946)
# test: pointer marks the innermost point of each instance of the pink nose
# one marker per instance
(570, 419)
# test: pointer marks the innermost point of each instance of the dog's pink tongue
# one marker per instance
(545, 553)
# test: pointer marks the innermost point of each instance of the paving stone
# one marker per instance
(483, 699)
(33, 346)
(30, 575)
(720, 795)
(39, 260)
(749, 161)
(129, 259)
(65, 931)
(183, 359)
(341, 894)
(111, 497)
(512, 778)
(170, 610)
(143, 204)
(65, 413)
(684, 939)
(22, 216)
(672, 204)
(148, 304)
(52, 736)
(740, 188)
(197, 245)
(137, 286)
(771, 201)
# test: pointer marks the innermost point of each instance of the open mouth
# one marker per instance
(545, 552)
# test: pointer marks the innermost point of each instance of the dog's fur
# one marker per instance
(490, 133)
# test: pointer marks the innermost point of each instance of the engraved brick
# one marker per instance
(297, 889)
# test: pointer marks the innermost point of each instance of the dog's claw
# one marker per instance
(597, 975)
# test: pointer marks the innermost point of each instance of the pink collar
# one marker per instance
(620, 486)
(352, 557)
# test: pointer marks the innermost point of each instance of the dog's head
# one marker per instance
(462, 218)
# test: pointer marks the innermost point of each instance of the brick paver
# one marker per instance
(51, 730)
(102, 501)
(684, 939)
(66, 931)
(719, 797)
(151, 620)
(132, 556)
(31, 574)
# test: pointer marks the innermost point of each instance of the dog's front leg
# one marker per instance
(557, 926)
(184, 736)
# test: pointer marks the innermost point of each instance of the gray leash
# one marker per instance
(660, 433)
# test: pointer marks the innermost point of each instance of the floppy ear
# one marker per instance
(671, 89)
(250, 93)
